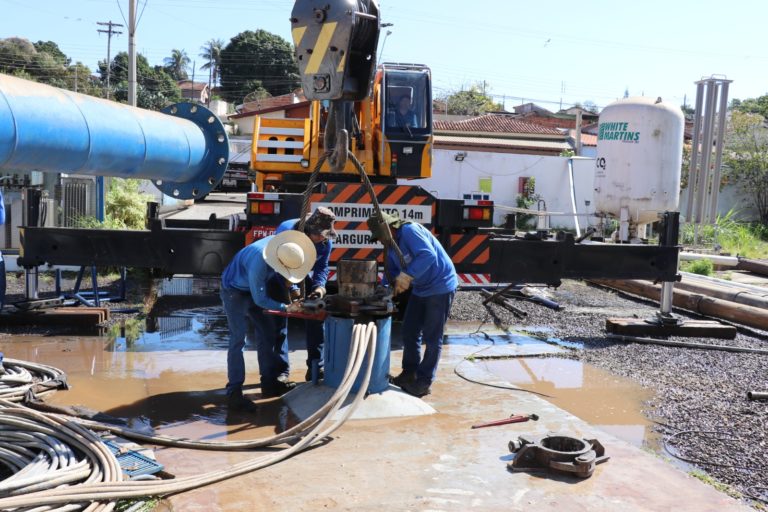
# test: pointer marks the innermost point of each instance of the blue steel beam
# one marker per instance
(184, 151)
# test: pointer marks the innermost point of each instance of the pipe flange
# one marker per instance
(557, 452)
(216, 158)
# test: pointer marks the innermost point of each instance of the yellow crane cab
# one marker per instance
(390, 133)
(403, 95)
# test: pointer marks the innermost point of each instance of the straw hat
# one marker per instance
(292, 254)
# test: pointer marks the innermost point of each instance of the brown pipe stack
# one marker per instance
(756, 266)
(725, 293)
(708, 306)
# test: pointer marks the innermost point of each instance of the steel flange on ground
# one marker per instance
(556, 452)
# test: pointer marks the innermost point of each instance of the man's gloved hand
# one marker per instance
(294, 307)
(317, 293)
(402, 283)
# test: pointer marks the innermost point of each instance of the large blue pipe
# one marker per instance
(184, 150)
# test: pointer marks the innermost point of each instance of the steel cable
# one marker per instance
(104, 486)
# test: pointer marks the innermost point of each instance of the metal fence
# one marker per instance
(78, 200)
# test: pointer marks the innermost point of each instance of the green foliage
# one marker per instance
(41, 62)
(471, 102)
(737, 238)
(54, 51)
(176, 65)
(257, 56)
(701, 267)
(526, 200)
(126, 207)
(568, 153)
(746, 157)
(211, 52)
(757, 105)
(155, 88)
(126, 204)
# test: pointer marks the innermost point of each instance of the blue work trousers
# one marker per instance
(315, 339)
(268, 333)
(424, 320)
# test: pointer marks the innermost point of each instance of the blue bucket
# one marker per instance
(338, 340)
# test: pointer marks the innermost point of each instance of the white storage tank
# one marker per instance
(639, 156)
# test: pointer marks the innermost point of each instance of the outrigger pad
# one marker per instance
(692, 328)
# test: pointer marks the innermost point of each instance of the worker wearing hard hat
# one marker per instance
(319, 228)
(431, 273)
(244, 284)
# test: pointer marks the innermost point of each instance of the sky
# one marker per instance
(552, 52)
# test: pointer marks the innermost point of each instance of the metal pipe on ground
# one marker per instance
(687, 344)
(720, 292)
(757, 395)
(497, 298)
(755, 266)
(723, 261)
(708, 306)
(744, 287)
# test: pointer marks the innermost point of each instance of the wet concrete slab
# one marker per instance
(434, 462)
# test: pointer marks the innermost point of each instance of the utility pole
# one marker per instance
(194, 63)
(132, 52)
(110, 32)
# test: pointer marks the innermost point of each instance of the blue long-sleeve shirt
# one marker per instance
(425, 260)
(320, 268)
(249, 272)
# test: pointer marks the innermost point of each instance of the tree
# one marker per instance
(53, 50)
(257, 56)
(590, 106)
(746, 158)
(155, 88)
(757, 105)
(44, 62)
(212, 55)
(471, 102)
(176, 65)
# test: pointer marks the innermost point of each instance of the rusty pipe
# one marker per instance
(708, 306)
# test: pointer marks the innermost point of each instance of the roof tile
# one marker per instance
(495, 123)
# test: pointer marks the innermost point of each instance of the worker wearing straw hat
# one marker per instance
(319, 228)
(244, 284)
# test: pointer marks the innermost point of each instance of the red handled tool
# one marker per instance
(512, 419)
(320, 315)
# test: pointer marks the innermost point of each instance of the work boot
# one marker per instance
(320, 374)
(237, 402)
(278, 388)
(416, 388)
(403, 378)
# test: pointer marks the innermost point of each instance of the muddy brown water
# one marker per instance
(609, 402)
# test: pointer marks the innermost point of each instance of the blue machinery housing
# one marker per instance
(184, 150)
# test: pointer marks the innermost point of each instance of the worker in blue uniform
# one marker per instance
(430, 272)
(244, 294)
(319, 228)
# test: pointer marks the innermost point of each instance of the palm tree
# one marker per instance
(176, 64)
(212, 55)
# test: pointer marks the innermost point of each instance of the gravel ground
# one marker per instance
(700, 395)
(139, 296)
